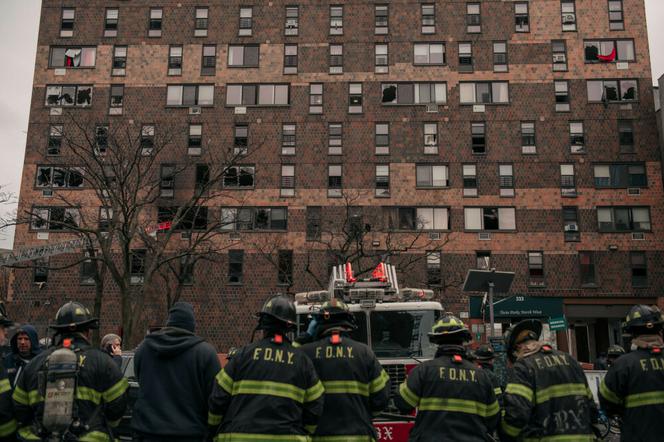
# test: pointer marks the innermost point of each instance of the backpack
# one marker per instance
(58, 380)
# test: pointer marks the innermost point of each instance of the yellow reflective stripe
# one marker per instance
(509, 429)
(609, 395)
(562, 390)
(345, 438)
(225, 381)
(116, 390)
(8, 428)
(26, 434)
(408, 395)
(379, 383)
(34, 397)
(643, 399)
(311, 429)
(521, 390)
(346, 387)
(115, 423)
(234, 437)
(270, 388)
(214, 419)
(88, 394)
(314, 393)
(563, 438)
(297, 344)
(20, 396)
(497, 391)
(95, 436)
(5, 386)
(459, 405)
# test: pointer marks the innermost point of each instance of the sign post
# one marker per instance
(488, 281)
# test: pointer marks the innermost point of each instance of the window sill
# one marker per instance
(71, 67)
(232, 106)
(187, 106)
(622, 232)
(590, 286)
(490, 231)
(413, 104)
(235, 284)
(431, 187)
(424, 65)
(485, 104)
(242, 67)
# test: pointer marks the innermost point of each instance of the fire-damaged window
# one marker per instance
(190, 218)
(254, 218)
(68, 96)
(137, 266)
(235, 266)
(40, 271)
(238, 177)
(55, 218)
(639, 265)
(285, 267)
(54, 140)
(414, 93)
(607, 51)
(59, 177)
(626, 136)
(610, 91)
(72, 57)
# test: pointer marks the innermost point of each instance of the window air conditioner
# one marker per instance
(638, 236)
(484, 236)
(569, 19)
(185, 235)
(234, 236)
(559, 58)
(634, 192)
(572, 228)
(432, 108)
(196, 110)
(434, 236)
(47, 193)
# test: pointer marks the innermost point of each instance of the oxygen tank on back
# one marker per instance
(60, 391)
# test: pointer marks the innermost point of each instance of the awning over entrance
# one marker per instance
(518, 306)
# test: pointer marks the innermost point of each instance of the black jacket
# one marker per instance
(355, 386)
(266, 389)
(495, 381)
(100, 393)
(454, 399)
(634, 389)
(547, 395)
(14, 363)
(175, 371)
(7, 421)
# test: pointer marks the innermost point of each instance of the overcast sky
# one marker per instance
(19, 22)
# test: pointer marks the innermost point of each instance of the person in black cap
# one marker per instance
(100, 398)
(175, 371)
(269, 390)
(484, 357)
(547, 395)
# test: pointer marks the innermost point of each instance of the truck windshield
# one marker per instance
(403, 333)
(359, 335)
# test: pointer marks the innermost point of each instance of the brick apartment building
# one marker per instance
(522, 131)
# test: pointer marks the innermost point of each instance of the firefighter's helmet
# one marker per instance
(529, 329)
(4, 320)
(485, 353)
(335, 313)
(74, 316)
(280, 308)
(643, 319)
(615, 351)
(449, 328)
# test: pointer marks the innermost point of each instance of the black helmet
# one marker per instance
(74, 316)
(643, 319)
(485, 353)
(335, 313)
(280, 308)
(523, 331)
(615, 351)
(449, 328)
(4, 320)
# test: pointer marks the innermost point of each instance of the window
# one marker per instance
(496, 92)
(571, 224)
(612, 91)
(238, 177)
(626, 136)
(500, 56)
(434, 271)
(596, 51)
(235, 264)
(147, 139)
(428, 18)
(336, 20)
(478, 137)
(88, 269)
(536, 269)
(209, 61)
(355, 98)
(334, 138)
(568, 13)
(382, 180)
(54, 140)
(288, 139)
(68, 96)
(290, 59)
(186, 275)
(72, 57)
(559, 50)
(111, 22)
(117, 99)
(473, 18)
(432, 176)
(506, 176)
(54, 177)
(255, 218)
(201, 22)
(175, 60)
(243, 56)
(246, 22)
(119, 66)
(382, 138)
(314, 226)
(577, 137)
(40, 271)
(101, 140)
(561, 90)
(257, 95)
(334, 180)
(381, 59)
(154, 26)
(167, 181)
(469, 172)
(195, 139)
(418, 218)
(190, 95)
(616, 18)
(55, 218)
(483, 260)
(316, 98)
(587, 269)
(429, 53)
(105, 218)
(188, 219)
(623, 219)
(465, 57)
(567, 180)
(521, 17)
(285, 267)
(381, 14)
(336, 59)
(292, 24)
(639, 265)
(528, 145)
(287, 180)
(430, 138)
(202, 178)
(414, 93)
(620, 176)
(490, 218)
(67, 22)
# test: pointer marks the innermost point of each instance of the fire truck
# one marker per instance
(393, 321)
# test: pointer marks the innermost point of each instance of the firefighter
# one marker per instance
(547, 395)
(633, 388)
(98, 390)
(356, 386)
(613, 353)
(7, 421)
(269, 389)
(5, 323)
(485, 356)
(452, 395)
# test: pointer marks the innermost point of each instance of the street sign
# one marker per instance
(558, 323)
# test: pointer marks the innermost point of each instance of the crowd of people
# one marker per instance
(321, 386)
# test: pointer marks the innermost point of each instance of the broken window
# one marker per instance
(209, 63)
(596, 51)
(101, 140)
(608, 91)
(40, 271)
(54, 140)
(59, 177)
(68, 96)
(243, 56)
(73, 57)
(55, 218)
(237, 177)
(414, 93)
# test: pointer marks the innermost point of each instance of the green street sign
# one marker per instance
(558, 323)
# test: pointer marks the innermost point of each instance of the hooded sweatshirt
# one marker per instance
(15, 362)
(176, 371)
